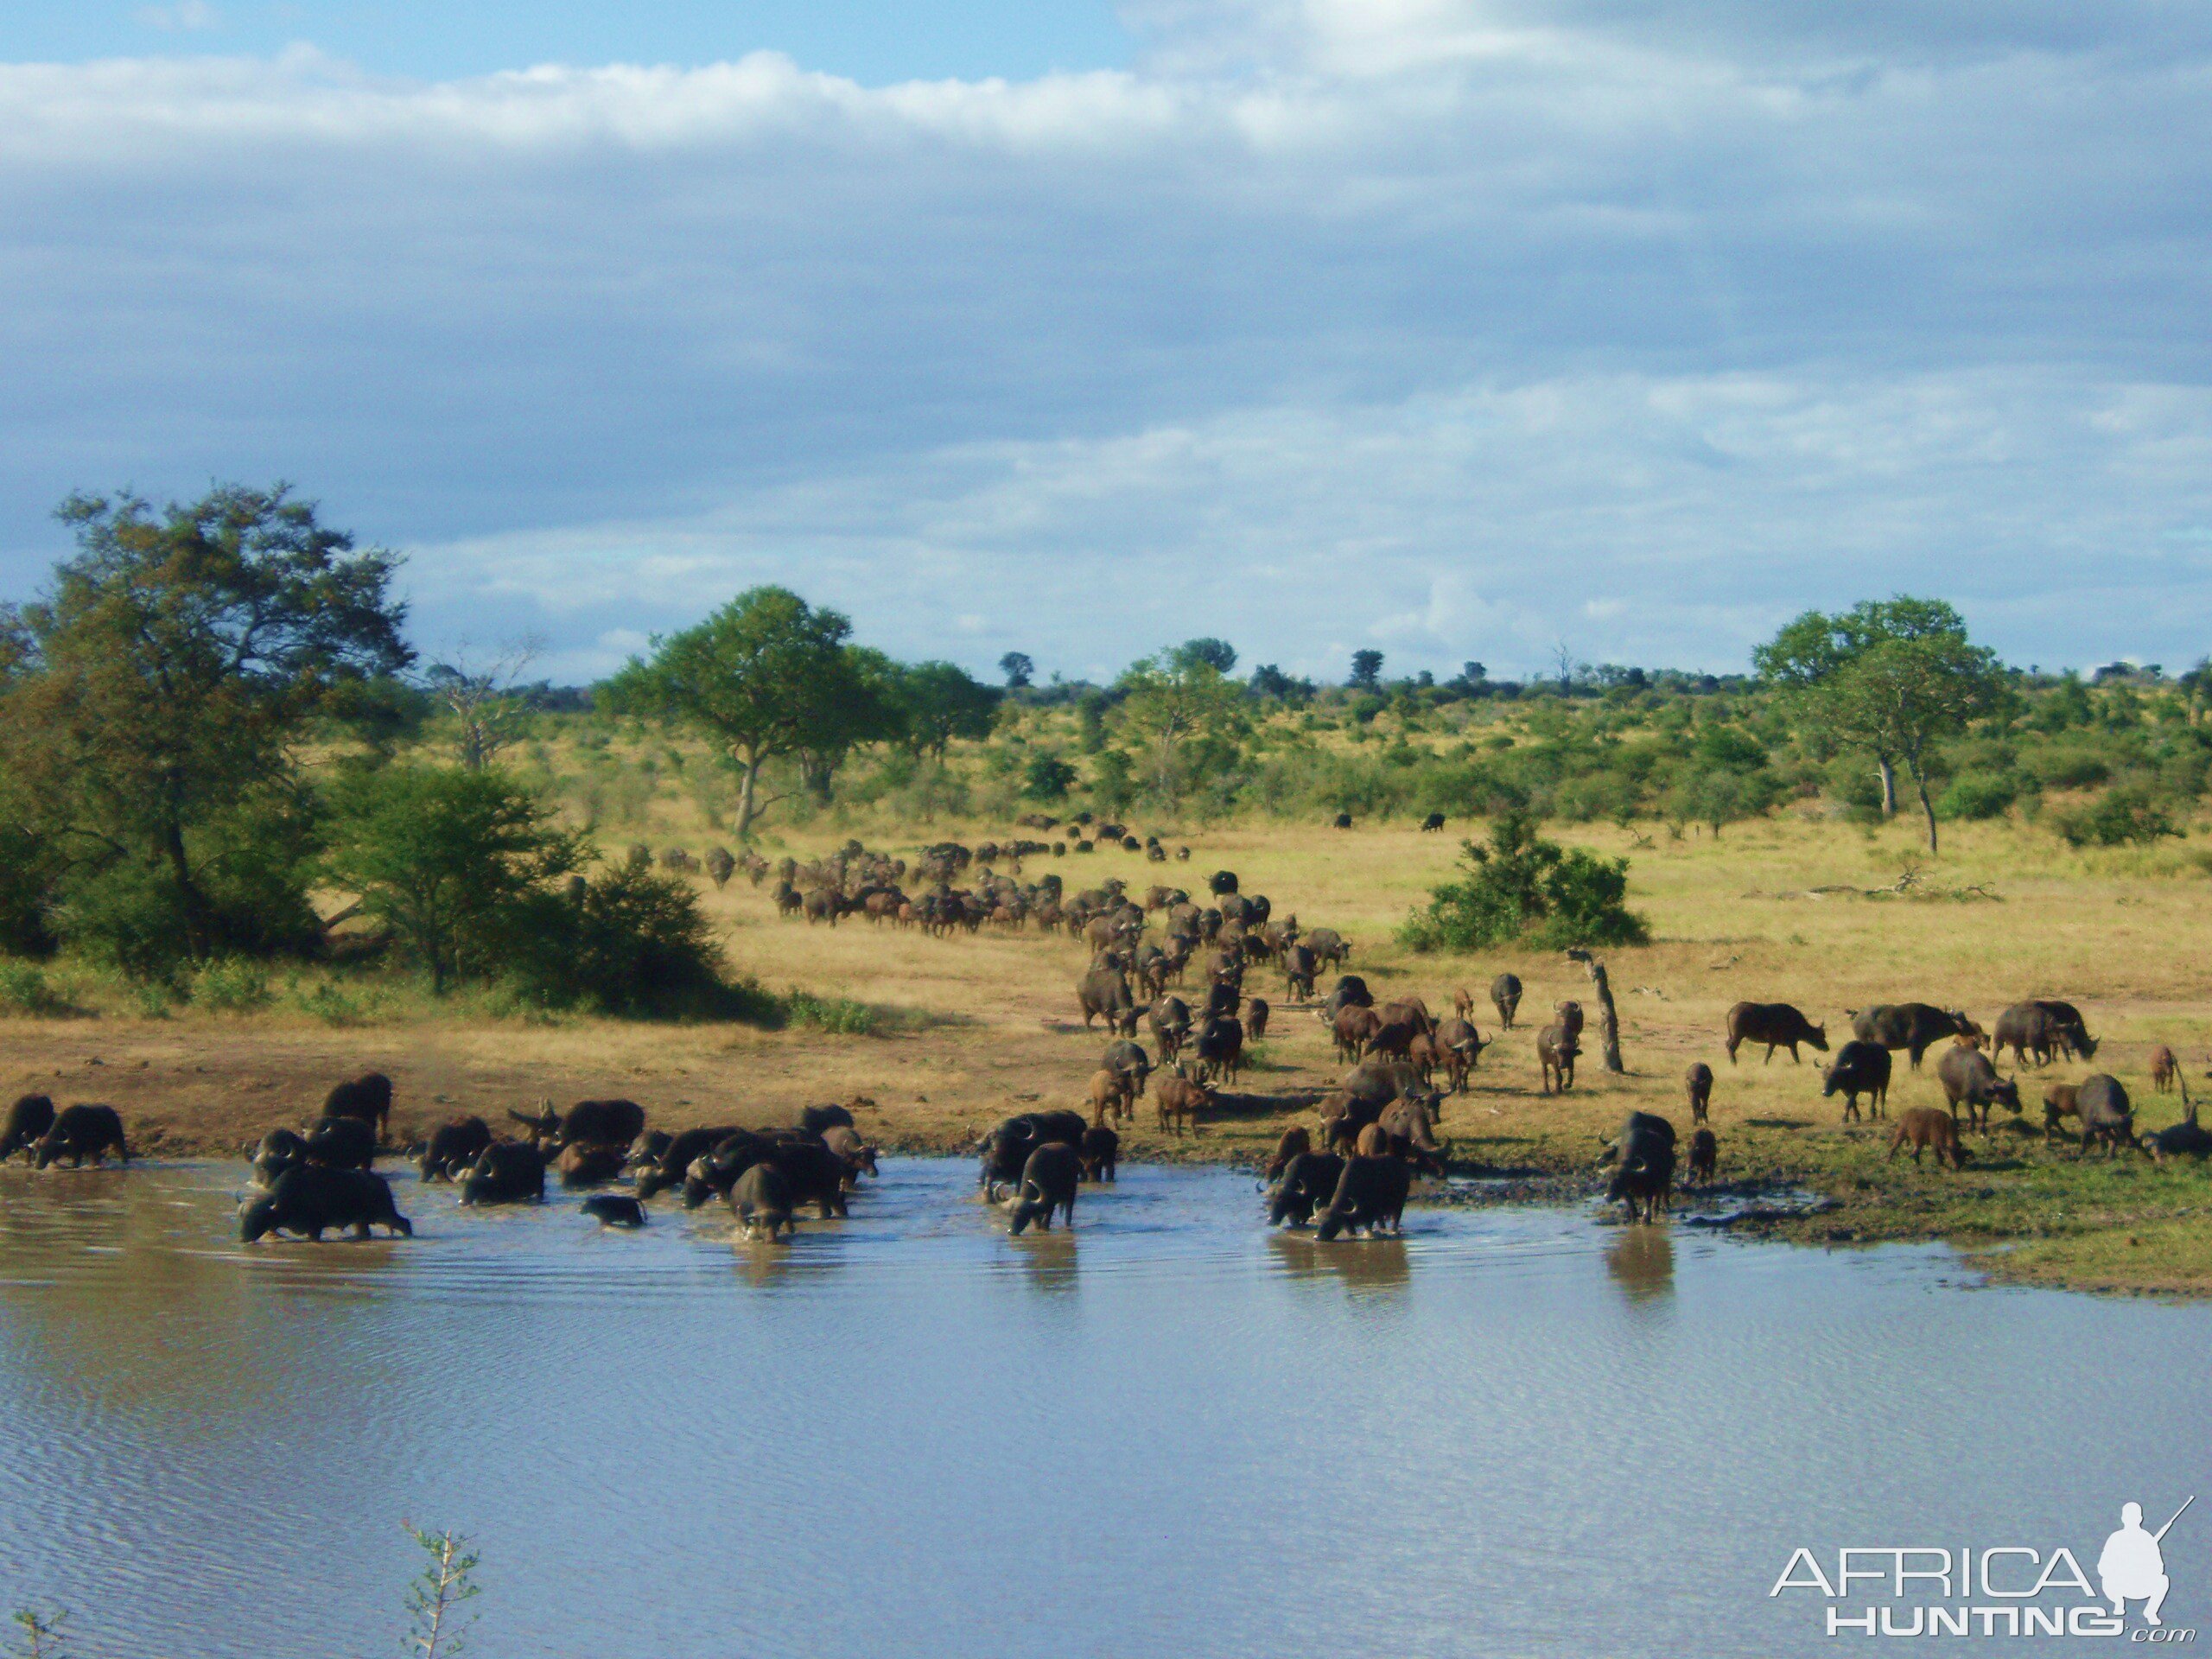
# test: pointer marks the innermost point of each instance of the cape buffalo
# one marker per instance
(311, 1198)
(452, 1147)
(1859, 1069)
(1697, 1082)
(1969, 1080)
(1915, 1027)
(367, 1098)
(2105, 1112)
(1100, 1152)
(1705, 1157)
(1505, 997)
(506, 1172)
(1923, 1128)
(615, 1210)
(1370, 1194)
(1049, 1180)
(1304, 1184)
(82, 1132)
(28, 1119)
(762, 1200)
(1775, 1024)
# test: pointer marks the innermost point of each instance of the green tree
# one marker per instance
(1019, 670)
(1522, 889)
(1216, 654)
(766, 676)
(443, 858)
(168, 676)
(1047, 778)
(1366, 670)
(1891, 678)
(937, 703)
(1171, 703)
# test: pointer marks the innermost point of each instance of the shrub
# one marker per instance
(1522, 889)
(2119, 817)
(1978, 795)
(231, 985)
(631, 943)
(840, 1014)
(24, 989)
(1047, 778)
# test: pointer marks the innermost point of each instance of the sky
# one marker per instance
(1455, 328)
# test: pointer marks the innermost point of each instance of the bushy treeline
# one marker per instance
(217, 744)
(199, 726)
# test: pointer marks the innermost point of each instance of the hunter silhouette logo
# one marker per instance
(2132, 1568)
(2009, 1589)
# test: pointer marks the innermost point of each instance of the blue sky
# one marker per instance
(1460, 328)
(875, 41)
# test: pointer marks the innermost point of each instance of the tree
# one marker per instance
(481, 697)
(938, 701)
(1019, 670)
(767, 676)
(161, 685)
(1047, 778)
(1366, 670)
(1269, 681)
(871, 712)
(1216, 654)
(1171, 702)
(442, 858)
(1813, 660)
(1523, 889)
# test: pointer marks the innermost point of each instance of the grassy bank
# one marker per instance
(939, 1037)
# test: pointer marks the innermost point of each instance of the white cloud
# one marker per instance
(1459, 327)
(184, 16)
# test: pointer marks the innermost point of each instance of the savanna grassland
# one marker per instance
(944, 1035)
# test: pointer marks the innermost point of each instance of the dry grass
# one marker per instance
(971, 1028)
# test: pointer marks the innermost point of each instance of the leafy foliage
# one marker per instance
(2119, 817)
(1522, 889)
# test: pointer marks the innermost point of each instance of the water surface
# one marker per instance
(1171, 1432)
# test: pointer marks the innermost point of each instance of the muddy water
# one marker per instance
(1515, 1432)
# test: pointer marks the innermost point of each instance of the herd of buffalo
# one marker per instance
(1350, 1173)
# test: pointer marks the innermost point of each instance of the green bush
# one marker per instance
(1978, 795)
(630, 942)
(1047, 778)
(1523, 890)
(231, 985)
(2119, 817)
(840, 1014)
(25, 989)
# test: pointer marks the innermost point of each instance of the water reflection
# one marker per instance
(1373, 1265)
(1642, 1263)
(903, 1430)
(1048, 1260)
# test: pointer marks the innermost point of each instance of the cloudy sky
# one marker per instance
(1462, 328)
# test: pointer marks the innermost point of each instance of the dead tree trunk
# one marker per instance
(1609, 1019)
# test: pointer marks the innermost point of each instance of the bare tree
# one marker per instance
(480, 695)
(1609, 1020)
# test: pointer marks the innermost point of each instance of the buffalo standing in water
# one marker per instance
(1049, 1180)
(28, 1119)
(82, 1132)
(310, 1199)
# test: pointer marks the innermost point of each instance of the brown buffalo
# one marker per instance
(1775, 1024)
(1923, 1128)
(1698, 1082)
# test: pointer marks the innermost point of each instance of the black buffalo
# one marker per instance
(1859, 1069)
(507, 1172)
(310, 1199)
(1371, 1195)
(1304, 1184)
(452, 1147)
(367, 1098)
(82, 1132)
(1914, 1027)
(1048, 1182)
(27, 1121)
